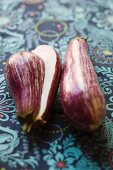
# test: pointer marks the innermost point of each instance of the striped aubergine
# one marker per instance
(32, 78)
(81, 95)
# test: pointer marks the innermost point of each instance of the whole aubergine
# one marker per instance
(81, 96)
(32, 78)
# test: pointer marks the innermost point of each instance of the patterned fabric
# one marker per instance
(24, 24)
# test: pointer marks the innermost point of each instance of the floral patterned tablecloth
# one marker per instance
(24, 24)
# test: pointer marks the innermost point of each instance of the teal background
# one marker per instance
(24, 24)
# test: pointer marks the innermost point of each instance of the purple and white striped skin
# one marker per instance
(27, 78)
(81, 96)
(25, 75)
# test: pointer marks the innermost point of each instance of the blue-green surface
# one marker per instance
(24, 24)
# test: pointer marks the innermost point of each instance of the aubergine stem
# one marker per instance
(28, 125)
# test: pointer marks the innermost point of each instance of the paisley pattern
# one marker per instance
(24, 24)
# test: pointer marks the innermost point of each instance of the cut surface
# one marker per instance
(48, 55)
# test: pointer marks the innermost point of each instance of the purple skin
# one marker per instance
(23, 74)
(81, 96)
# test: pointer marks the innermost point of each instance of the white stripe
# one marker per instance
(48, 55)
